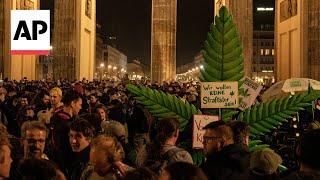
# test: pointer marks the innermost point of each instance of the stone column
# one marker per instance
(163, 40)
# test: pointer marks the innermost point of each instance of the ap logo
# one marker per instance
(30, 32)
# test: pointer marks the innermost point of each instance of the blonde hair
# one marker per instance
(110, 146)
(56, 90)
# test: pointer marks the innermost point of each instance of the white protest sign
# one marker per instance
(219, 95)
(200, 121)
(251, 91)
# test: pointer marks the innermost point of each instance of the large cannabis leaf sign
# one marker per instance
(163, 105)
(223, 59)
(267, 116)
(222, 53)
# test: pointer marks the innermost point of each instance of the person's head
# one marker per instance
(309, 149)
(34, 169)
(34, 135)
(24, 100)
(28, 111)
(93, 99)
(241, 132)
(191, 97)
(264, 164)
(217, 136)
(80, 135)
(73, 100)
(56, 96)
(102, 111)
(105, 150)
(114, 128)
(5, 155)
(45, 98)
(167, 128)
(140, 174)
(182, 171)
(79, 88)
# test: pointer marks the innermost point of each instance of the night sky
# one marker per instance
(130, 22)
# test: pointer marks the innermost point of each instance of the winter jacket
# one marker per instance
(232, 162)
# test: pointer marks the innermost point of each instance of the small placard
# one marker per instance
(251, 91)
(219, 95)
(200, 121)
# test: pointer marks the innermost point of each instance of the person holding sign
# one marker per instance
(225, 159)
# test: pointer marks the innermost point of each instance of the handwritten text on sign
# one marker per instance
(219, 95)
(251, 91)
(200, 121)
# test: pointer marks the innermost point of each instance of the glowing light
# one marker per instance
(265, 9)
(294, 119)
(109, 66)
(102, 65)
(295, 126)
(297, 134)
(201, 66)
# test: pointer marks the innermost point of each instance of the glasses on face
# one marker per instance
(208, 139)
(34, 141)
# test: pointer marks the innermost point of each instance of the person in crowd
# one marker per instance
(23, 101)
(80, 135)
(56, 97)
(106, 155)
(42, 101)
(317, 110)
(140, 174)
(264, 164)
(163, 150)
(182, 171)
(117, 130)
(138, 125)
(308, 153)
(60, 122)
(80, 89)
(93, 102)
(3, 106)
(34, 134)
(241, 132)
(26, 113)
(102, 111)
(115, 111)
(5, 155)
(224, 158)
(34, 169)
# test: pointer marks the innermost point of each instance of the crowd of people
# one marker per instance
(97, 130)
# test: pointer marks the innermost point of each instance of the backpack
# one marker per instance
(157, 165)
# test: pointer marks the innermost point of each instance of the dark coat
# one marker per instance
(59, 138)
(80, 161)
(230, 163)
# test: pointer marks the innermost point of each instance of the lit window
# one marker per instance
(267, 52)
(272, 51)
(261, 52)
